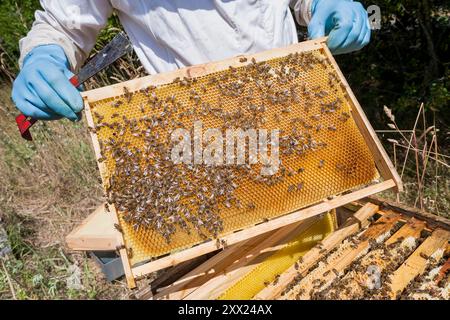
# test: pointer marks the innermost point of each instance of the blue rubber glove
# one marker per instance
(345, 22)
(42, 89)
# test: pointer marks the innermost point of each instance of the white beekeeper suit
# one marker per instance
(168, 34)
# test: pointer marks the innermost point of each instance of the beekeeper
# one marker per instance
(167, 34)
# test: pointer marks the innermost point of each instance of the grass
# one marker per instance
(48, 186)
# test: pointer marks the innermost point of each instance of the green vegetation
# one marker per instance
(49, 185)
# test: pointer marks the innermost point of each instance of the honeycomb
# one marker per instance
(299, 93)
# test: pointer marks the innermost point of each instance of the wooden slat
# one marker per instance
(433, 220)
(444, 271)
(416, 264)
(169, 276)
(342, 258)
(200, 275)
(227, 277)
(359, 220)
(412, 228)
(95, 233)
(355, 281)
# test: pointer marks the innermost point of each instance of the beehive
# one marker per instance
(297, 91)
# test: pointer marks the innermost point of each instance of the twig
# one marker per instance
(425, 163)
(410, 140)
(433, 153)
(11, 287)
(419, 185)
(436, 159)
(395, 166)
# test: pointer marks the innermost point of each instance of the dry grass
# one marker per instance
(48, 186)
(423, 165)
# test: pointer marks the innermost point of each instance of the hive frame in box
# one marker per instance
(391, 179)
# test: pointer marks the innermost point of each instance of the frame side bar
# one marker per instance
(382, 160)
(120, 239)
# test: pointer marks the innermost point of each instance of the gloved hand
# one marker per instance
(42, 89)
(344, 21)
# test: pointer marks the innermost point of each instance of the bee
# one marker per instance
(291, 172)
(243, 59)
(344, 116)
(286, 110)
(251, 206)
(321, 94)
(106, 207)
(114, 115)
(424, 256)
(218, 243)
(98, 116)
(299, 186)
(118, 248)
(130, 253)
(321, 164)
(101, 159)
(117, 103)
(296, 265)
(176, 80)
(277, 278)
(223, 243)
(332, 128)
(316, 117)
(291, 188)
(128, 94)
(212, 80)
(92, 129)
(323, 251)
(277, 118)
(318, 127)
(118, 227)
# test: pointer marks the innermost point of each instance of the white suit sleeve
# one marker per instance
(302, 11)
(72, 24)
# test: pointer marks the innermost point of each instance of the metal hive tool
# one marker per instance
(301, 90)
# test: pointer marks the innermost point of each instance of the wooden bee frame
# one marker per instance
(391, 180)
